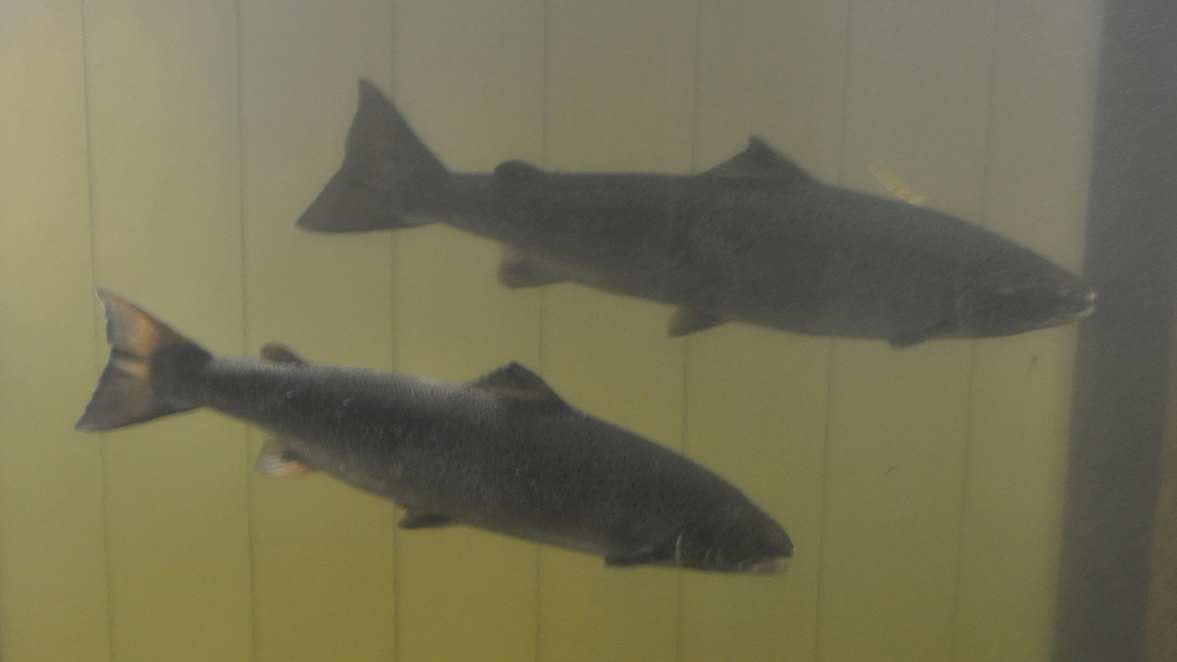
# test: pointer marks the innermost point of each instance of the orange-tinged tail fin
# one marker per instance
(125, 393)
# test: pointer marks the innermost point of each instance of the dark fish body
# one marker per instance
(754, 239)
(504, 454)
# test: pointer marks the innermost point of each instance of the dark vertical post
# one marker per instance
(1161, 624)
(1122, 369)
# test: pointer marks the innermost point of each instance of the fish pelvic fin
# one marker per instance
(276, 460)
(140, 347)
(388, 178)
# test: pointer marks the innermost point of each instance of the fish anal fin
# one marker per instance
(418, 519)
(280, 353)
(760, 160)
(687, 320)
(517, 270)
(521, 386)
(276, 460)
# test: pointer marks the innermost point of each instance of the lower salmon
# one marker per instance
(504, 453)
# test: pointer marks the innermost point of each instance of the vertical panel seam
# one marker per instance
(686, 350)
(971, 385)
(825, 494)
(545, 9)
(395, 351)
(831, 353)
(393, 335)
(245, 335)
(845, 123)
(97, 322)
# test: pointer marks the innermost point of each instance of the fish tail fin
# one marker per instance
(388, 177)
(126, 392)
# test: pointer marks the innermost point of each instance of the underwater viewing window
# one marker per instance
(570, 330)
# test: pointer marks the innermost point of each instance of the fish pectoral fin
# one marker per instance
(517, 270)
(521, 386)
(639, 556)
(936, 330)
(760, 160)
(280, 353)
(687, 320)
(277, 461)
(417, 519)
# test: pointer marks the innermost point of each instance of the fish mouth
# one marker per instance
(1088, 301)
(1077, 304)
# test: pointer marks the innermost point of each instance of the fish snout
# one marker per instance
(1084, 299)
(1073, 303)
(747, 542)
(1010, 310)
(776, 559)
(1069, 304)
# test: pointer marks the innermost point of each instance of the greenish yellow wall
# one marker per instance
(163, 149)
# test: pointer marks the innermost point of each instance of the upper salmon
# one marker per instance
(504, 453)
(754, 239)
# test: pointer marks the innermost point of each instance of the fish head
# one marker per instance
(1014, 309)
(747, 541)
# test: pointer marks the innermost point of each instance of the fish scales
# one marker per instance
(754, 239)
(459, 451)
(740, 262)
(504, 454)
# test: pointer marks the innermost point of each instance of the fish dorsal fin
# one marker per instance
(513, 171)
(279, 353)
(521, 386)
(760, 160)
